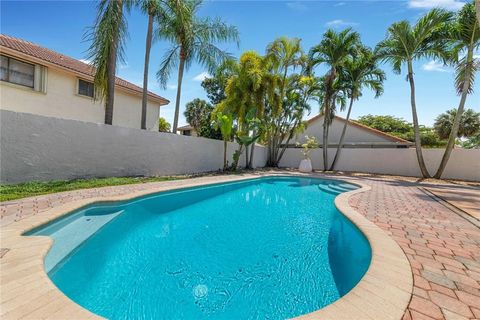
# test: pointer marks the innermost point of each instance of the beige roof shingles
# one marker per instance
(359, 125)
(54, 58)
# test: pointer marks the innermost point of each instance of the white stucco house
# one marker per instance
(40, 81)
(356, 136)
(187, 130)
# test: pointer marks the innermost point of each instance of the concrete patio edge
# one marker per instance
(383, 293)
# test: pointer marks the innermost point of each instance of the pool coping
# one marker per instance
(384, 292)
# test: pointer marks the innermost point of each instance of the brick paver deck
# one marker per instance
(442, 247)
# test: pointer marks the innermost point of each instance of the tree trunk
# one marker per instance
(325, 142)
(246, 157)
(416, 129)
(112, 64)
(252, 151)
(225, 155)
(342, 137)
(235, 160)
(148, 46)
(477, 6)
(456, 122)
(326, 114)
(270, 153)
(181, 68)
(285, 146)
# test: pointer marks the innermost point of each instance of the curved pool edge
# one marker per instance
(383, 292)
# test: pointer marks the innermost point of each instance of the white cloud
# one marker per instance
(171, 86)
(85, 61)
(430, 4)
(340, 23)
(123, 66)
(201, 76)
(297, 6)
(339, 4)
(434, 66)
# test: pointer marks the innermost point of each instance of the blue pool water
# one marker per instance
(269, 248)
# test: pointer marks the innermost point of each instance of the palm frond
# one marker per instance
(108, 33)
(461, 74)
(169, 63)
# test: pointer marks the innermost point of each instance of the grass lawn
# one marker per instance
(35, 188)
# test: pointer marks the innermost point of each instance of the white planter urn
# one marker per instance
(305, 165)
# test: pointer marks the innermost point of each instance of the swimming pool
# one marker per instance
(272, 247)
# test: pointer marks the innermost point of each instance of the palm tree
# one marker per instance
(334, 49)
(469, 123)
(283, 56)
(153, 9)
(193, 39)
(464, 36)
(406, 43)
(107, 38)
(224, 123)
(359, 72)
(247, 92)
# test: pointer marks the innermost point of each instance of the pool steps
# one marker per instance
(336, 188)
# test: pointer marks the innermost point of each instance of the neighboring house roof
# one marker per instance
(51, 57)
(185, 127)
(359, 125)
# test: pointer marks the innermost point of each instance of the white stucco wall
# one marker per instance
(62, 101)
(43, 148)
(353, 134)
(463, 164)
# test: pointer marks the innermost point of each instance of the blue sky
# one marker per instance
(59, 25)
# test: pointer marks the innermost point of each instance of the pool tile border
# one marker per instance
(27, 292)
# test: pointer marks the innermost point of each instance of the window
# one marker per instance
(85, 88)
(16, 71)
(187, 132)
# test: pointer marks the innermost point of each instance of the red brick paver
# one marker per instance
(442, 247)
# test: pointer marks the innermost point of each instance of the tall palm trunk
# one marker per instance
(477, 9)
(418, 145)
(181, 69)
(342, 137)
(458, 116)
(325, 139)
(112, 64)
(148, 46)
(252, 151)
(326, 115)
(225, 155)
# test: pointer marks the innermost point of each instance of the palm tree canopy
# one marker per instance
(193, 38)
(405, 43)
(334, 48)
(110, 24)
(248, 86)
(283, 56)
(284, 53)
(361, 71)
(469, 123)
(463, 35)
(150, 7)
